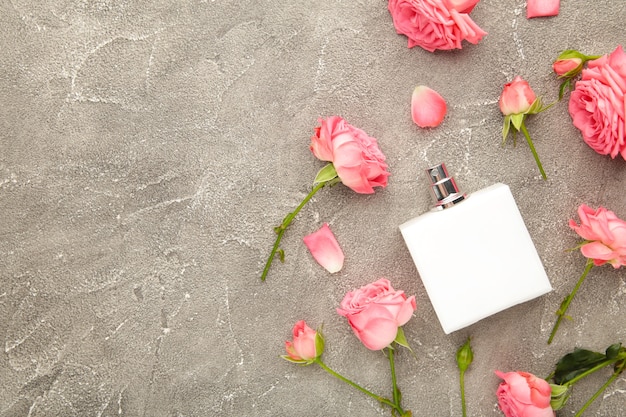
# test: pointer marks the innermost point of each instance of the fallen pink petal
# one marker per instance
(325, 249)
(542, 8)
(428, 108)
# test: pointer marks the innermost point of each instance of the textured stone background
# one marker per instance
(147, 148)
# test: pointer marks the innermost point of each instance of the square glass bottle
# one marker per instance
(473, 253)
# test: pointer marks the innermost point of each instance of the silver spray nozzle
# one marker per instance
(443, 187)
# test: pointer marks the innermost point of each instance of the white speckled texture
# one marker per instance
(148, 148)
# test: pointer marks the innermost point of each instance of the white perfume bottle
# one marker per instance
(473, 253)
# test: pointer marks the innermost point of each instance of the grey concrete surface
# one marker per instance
(147, 149)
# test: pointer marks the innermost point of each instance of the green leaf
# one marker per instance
(326, 174)
(571, 53)
(614, 350)
(300, 362)
(558, 396)
(281, 255)
(536, 107)
(517, 120)
(564, 85)
(319, 343)
(505, 128)
(401, 339)
(575, 363)
(334, 181)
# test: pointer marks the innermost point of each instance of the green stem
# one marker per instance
(589, 372)
(462, 382)
(357, 386)
(534, 151)
(280, 230)
(566, 302)
(396, 391)
(597, 394)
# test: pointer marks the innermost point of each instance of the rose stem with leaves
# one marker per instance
(618, 360)
(326, 176)
(568, 299)
(280, 230)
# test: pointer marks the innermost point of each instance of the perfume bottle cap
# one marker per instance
(443, 187)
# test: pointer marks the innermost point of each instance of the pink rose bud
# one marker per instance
(542, 8)
(375, 312)
(517, 97)
(565, 67)
(523, 394)
(605, 234)
(325, 249)
(570, 63)
(358, 160)
(428, 108)
(306, 346)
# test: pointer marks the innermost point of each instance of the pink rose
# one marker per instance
(435, 24)
(597, 104)
(517, 97)
(605, 233)
(356, 156)
(375, 312)
(524, 395)
(307, 344)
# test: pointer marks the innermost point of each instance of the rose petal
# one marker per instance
(428, 108)
(378, 334)
(597, 251)
(542, 8)
(463, 6)
(406, 312)
(325, 249)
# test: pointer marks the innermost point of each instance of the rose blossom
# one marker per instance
(358, 160)
(597, 104)
(522, 394)
(605, 233)
(305, 345)
(517, 97)
(375, 312)
(435, 24)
